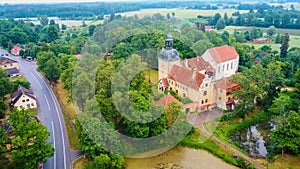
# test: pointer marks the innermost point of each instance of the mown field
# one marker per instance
(181, 13)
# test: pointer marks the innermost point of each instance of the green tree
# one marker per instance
(271, 31)
(63, 27)
(44, 20)
(52, 71)
(298, 79)
(286, 19)
(278, 39)
(30, 142)
(5, 84)
(3, 140)
(216, 18)
(220, 24)
(91, 29)
(284, 45)
(3, 108)
(201, 46)
(287, 137)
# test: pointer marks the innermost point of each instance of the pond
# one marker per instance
(179, 158)
(254, 139)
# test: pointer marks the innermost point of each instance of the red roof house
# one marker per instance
(223, 53)
(16, 50)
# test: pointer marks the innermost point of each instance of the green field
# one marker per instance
(294, 36)
(181, 13)
(69, 23)
(153, 75)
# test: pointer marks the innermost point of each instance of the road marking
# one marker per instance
(36, 80)
(61, 126)
(54, 144)
(47, 102)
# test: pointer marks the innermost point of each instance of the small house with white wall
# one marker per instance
(23, 98)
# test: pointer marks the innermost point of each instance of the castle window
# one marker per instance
(219, 69)
(227, 66)
(202, 102)
(206, 100)
(231, 65)
(204, 93)
(221, 90)
(206, 84)
(220, 98)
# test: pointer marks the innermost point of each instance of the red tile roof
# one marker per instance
(227, 85)
(223, 53)
(199, 63)
(16, 49)
(165, 82)
(186, 76)
(167, 99)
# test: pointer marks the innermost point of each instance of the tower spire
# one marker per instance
(169, 42)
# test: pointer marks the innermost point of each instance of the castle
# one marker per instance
(204, 79)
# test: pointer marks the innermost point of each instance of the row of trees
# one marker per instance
(278, 17)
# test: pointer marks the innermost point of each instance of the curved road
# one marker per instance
(50, 114)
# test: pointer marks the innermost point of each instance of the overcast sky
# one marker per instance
(51, 1)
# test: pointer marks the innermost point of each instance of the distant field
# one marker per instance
(69, 23)
(181, 13)
(294, 42)
(230, 29)
(294, 36)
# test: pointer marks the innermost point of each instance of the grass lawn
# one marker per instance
(181, 13)
(20, 78)
(285, 161)
(32, 112)
(153, 75)
(79, 164)
(70, 109)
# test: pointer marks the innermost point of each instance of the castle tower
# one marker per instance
(168, 57)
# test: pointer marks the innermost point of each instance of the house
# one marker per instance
(201, 78)
(23, 98)
(225, 99)
(107, 17)
(224, 59)
(16, 50)
(6, 63)
(260, 40)
(12, 72)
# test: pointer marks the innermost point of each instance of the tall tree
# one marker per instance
(44, 20)
(284, 45)
(5, 84)
(30, 142)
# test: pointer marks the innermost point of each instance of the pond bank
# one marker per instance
(179, 158)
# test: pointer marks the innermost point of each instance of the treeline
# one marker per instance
(96, 10)
(278, 17)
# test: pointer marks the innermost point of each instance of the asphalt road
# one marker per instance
(50, 114)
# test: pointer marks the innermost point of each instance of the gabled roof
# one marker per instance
(199, 63)
(223, 53)
(15, 49)
(191, 78)
(164, 82)
(12, 71)
(4, 61)
(19, 92)
(227, 85)
(167, 99)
